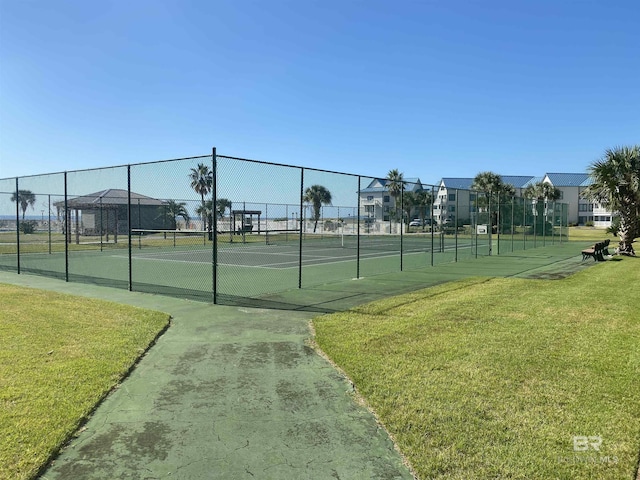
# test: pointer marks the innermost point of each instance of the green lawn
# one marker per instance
(497, 378)
(59, 356)
(590, 233)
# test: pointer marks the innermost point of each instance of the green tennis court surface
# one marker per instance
(266, 271)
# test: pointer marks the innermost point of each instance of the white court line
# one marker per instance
(278, 266)
(151, 259)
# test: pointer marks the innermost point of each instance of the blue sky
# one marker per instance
(433, 88)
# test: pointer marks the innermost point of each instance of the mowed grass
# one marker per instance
(493, 378)
(590, 233)
(59, 356)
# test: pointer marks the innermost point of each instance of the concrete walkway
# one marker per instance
(226, 393)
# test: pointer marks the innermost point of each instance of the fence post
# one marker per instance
(401, 222)
(456, 225)
(358, 232)
(215, 225)
(101, 224)
(475, 228)
(535, 221)
(129, 224)
(498, 221)
(18, 225)
(433, 199)
(139, 226)
(513, 218)
(544, 224)
(66, 230)
(49, 222)
(300, 232)
(490, 224)
(524, 223)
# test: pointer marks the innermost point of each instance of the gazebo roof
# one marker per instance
(109, 198)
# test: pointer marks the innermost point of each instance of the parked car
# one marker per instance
(416, 222)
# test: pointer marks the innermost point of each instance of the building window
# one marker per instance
(452, 197)
(452, 208)
(369, 198)
(472, 197)
(585, 207)
(385, 218)
(385, 199)
(386, 209)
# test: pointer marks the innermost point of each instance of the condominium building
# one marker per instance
(453, 198)
(376, 202)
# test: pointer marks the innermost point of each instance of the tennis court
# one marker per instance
(185, 264)
(284, 249)
(146, 227)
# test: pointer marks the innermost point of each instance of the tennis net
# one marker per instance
(387, 242)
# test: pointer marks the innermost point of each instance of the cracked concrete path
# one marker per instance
(226, 393)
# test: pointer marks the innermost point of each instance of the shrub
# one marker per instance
(615, 226)
(28, 226)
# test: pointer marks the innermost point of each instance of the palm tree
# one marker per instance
(395, 185)
(206, 213)
(424, 199)
(488, 182)
(26, 198)
(317, 195)
(409, 201)
(545, 192)
(495, 189)
(173, 210)
(615, 184)
(221, 206)
(542, 191)
(202, 182)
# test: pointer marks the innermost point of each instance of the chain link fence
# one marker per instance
(222, 229)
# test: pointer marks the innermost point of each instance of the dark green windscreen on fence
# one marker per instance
(217, 228)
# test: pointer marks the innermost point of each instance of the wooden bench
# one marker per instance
(597, 251)
(246, 228)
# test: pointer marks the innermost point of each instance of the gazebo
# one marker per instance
(106, 212)
(245, 225)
